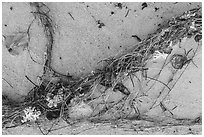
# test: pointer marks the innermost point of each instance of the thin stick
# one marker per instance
(30, 81)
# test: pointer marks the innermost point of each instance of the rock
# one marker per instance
(80, 111)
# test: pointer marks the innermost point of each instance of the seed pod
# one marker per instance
(198, 37)
(177, 61)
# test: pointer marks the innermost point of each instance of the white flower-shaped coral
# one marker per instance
(56, 100)
(31, 114)
(52, 102)
(158, 55)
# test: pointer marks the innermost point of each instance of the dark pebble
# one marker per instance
(144, 5)
(52, 115)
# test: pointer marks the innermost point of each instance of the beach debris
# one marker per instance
(30, 114)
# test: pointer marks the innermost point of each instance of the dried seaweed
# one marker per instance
(111, 75)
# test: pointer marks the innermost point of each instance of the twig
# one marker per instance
(71, 15)
(7, 82)
(160, 82)
(127, 12)
(138, 38)
(30, 81)
(40, 128)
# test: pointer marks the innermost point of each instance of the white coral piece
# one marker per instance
(56, 100)
(158, 55)
(31, 114)
(193, 26)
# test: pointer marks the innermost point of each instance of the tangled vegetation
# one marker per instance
(57, 94)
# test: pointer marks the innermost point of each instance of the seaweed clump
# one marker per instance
(56, 94)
